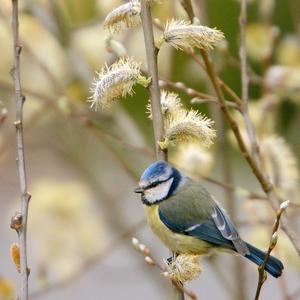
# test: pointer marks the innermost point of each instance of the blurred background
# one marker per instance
(83, 165)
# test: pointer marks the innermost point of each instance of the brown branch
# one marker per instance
(188, 7)
(25, 196)
(231, 93)
(234, 126)
(255, 161)
(261, 269)
(266, 185)
(199, 97)
(222, 145)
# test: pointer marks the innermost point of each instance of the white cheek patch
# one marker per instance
(158, 192)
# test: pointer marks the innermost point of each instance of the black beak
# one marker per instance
(139, 190)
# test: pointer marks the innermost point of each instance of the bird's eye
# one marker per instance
(154, 184)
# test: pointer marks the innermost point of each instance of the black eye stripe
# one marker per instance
(154, 184)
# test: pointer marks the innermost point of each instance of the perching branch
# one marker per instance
(158, 122)
(261, 269)
(25, 196)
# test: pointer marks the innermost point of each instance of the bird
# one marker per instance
(188, 220)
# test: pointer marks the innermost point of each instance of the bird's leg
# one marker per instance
(170, 260)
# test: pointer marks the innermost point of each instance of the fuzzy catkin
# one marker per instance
(114, 82)
(280, 162)
(183, 35)
(170, 103)
(185, 267)
(188, 126)
(126, 15)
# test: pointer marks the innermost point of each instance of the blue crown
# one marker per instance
(156, 169)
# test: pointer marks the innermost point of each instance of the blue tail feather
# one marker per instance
(274, 266)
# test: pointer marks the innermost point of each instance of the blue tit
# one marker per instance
(187, 219)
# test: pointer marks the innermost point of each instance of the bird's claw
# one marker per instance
(170, 260)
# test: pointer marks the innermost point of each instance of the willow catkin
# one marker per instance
(126, 15)
(182, 35)
(188, 126)
(114, 82)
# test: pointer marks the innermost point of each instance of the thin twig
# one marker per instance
(188, 7)
(181, 86)
(243, 51)
(245, 83)
(25, 196)
(216, 83)
(231, 93)
(158, 122)
(151, 53)
(261, 269)
(199, 97)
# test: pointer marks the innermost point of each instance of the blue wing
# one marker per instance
(206, 231)
(228, 230)
(186, 214)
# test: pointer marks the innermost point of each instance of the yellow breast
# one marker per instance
(178, 243)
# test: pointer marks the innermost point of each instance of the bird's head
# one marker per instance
(158, 182)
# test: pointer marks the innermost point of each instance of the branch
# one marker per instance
(188, 7)
(158, 122)
(256, 169)
(261, 269)
(25, 196)
(243, 51)
(199, 97)
(151, 53)
(222, 145)
(266, 185)
(245, 83)
(229, 91)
